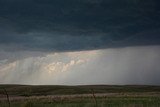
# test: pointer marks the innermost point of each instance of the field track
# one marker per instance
(62, 97)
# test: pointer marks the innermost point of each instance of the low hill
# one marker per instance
(34, 90)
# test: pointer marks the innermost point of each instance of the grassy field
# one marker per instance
(80, 96)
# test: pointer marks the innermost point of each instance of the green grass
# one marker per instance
(125, 98)
(88, 102)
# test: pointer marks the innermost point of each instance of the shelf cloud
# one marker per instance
(60, 25)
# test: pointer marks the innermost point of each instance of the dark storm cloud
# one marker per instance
(68, 25)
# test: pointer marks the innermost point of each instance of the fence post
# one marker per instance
(7, 97)
(95, 100)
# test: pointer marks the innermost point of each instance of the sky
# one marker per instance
(80, 42)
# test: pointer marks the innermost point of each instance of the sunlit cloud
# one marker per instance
(44, 68)
(72, 59)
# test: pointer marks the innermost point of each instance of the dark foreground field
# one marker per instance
(79, 96)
